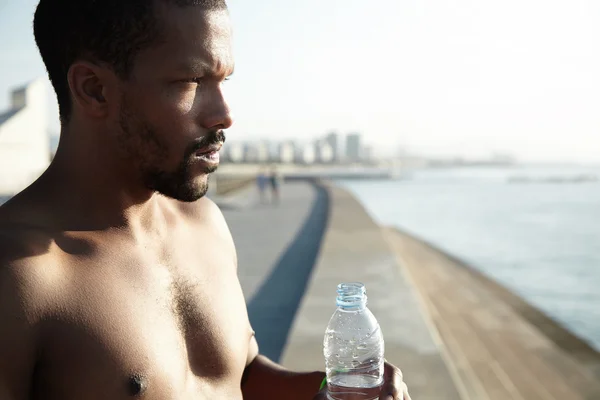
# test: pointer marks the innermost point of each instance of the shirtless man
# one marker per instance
(117, 277)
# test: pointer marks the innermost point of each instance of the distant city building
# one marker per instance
(287, 152)
(263, 152)
(273, 151)
(324, 152)
(367, 154)
(257, 152)
(503, 159)
(353, 147)
(306, 154)
(24, 139)
(250, 153)
(234, 152)
(333, 140)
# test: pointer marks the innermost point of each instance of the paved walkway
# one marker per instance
(277, 246)
(501, 347)
(354, 249)
(456, 334)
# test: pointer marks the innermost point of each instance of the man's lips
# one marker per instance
(209, 155)
(214, 148)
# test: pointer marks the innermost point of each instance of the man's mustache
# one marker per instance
(210, 139)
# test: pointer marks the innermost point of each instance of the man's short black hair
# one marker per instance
(107, 31)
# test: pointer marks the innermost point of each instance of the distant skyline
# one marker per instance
(437, 78)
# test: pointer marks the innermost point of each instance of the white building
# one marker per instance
(306, 154)
(287, 152)
(263, 152)
(234, 152)
(324, 152)
(24, 138)
(250, 153)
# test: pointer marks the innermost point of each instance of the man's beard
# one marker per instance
(140, 142)
(179, 184)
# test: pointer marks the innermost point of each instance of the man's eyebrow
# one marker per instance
(194, 67)
(201, 68)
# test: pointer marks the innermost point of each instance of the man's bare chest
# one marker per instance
(133, 324)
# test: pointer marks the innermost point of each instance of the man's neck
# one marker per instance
(92, 184)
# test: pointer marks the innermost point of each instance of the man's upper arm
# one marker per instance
(220, 225)
(17, 343)
(250, 358)
(211, 213)
(252, 350)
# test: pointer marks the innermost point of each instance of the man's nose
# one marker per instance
(218, 113)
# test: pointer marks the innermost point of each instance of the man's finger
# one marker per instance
(391, 392)
(405, 391)
(392, 395)
(400, 393)
(392, 373)
(394, 387)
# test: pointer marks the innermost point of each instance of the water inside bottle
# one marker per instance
(355, 369)
(365, 386)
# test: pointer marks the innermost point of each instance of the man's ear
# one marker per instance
(88, 83)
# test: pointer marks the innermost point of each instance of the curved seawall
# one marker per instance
(500, 346)
(455, 333)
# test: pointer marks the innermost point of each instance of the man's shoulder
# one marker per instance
(207, 219)
(23, 250)
(23, 288)
(24, 293)
(203, 211)
(26, 253)
(22, 231)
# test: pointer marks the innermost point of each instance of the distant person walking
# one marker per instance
(274, 180)
(261, 183)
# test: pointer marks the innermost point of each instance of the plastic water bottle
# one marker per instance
(353, 347)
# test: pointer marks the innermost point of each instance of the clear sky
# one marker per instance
(438, 77)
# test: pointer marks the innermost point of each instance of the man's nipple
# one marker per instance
(137, 385)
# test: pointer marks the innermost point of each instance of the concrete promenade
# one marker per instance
(456, 334)
(291, 257)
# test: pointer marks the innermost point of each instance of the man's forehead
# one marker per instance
(199, 39)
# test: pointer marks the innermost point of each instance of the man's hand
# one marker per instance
(393, 387)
